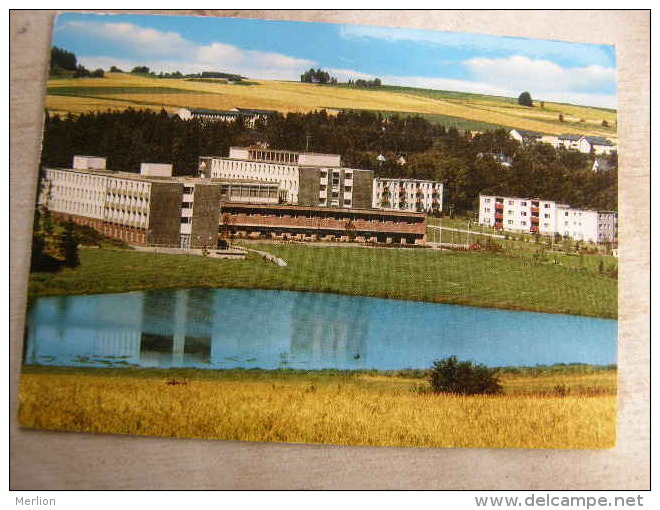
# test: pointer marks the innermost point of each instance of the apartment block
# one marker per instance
(149, 208)
(413, 195)
(547, 217)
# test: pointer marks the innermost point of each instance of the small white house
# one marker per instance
(597, 144)
(525, 137)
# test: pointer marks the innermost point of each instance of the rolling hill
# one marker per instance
(462, 110)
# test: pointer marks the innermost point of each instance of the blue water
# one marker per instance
(223, 328)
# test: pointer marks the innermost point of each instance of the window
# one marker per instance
(487, 209)
(186, 219)
(524, 204)
(546, 206)
(546, 215)
(523, 213)
(510, 202)
(348, 188)
(523, 223)
(487, 200)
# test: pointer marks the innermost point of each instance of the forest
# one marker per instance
(411, 146)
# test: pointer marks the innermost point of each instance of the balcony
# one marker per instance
(499, 205)
(499, 216)
(534, 228)
(534, 209)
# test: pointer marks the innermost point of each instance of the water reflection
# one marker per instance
(329, 328)
(271, 329)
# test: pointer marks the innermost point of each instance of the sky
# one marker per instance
(282, 50)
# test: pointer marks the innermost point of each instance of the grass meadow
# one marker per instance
(121, 90)
(538, 410)
(484, 279)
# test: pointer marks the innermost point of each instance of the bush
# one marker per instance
(449, 375)
(525, 99)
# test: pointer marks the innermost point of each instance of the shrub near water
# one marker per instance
(463, 378)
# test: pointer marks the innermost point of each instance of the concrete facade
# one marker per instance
(305, 178)
(546, 217)
(145, 209)
(408, 195)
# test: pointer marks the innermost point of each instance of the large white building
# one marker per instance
(151, 207)
(546, 217)
(305, 178)
(407, 195)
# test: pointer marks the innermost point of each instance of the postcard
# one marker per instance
(298, 232)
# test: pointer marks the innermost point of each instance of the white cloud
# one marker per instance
(139, 41)
(168, 52)
(522, 73)
(479, 87)
(580, 53)
(344, 75)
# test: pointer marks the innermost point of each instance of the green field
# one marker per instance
(556, 409)
(478, 279)
(461, 110)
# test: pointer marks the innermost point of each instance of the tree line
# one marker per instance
(392, 146)
(317, 76)
(65, 63)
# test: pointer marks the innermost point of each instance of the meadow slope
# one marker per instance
(123, 90)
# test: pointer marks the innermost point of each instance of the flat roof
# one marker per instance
(405, 180)
(184, 179)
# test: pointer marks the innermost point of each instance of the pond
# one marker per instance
(229, 328)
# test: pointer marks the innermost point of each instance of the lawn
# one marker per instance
(569, 410)
(478, 279)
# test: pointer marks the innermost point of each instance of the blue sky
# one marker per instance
(549, 70)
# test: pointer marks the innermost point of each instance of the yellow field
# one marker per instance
(317, 408)
(303, 97)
